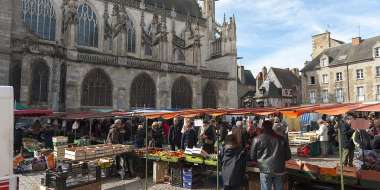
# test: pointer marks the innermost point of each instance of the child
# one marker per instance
(233, 160)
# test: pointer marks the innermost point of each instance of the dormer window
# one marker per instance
(324, 61)
(377, 52)
(312, 80)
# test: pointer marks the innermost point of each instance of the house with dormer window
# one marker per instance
(342, 72)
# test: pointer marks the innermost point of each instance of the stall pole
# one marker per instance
(90, 133)
(217, 158)
(339, 124)
(146, 153)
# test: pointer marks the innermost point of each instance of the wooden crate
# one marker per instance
(293, 164)
(160, 170)
(311, 168)
(348, 171)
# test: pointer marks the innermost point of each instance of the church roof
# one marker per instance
(248, 78)
(181, 6)
(286, 78)
(345, 53)
(271, 90)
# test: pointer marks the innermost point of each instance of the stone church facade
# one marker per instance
(71, 55)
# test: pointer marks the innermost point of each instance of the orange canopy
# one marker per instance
(292, 112)
(339, 110)
(370, 108)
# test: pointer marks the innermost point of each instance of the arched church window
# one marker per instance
(182, 94)
(96, 89)
(87, 28)
(143, 92)
(15, 78)
(131, 40)
(40, 82)
(210, 96)
(39, 17)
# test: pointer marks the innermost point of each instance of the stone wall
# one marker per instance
(349, 82)
(121, 66)
(5, 39)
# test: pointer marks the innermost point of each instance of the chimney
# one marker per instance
(264, 73)
(320, 42)
(296, 72)
(241, 74)
(356, 41)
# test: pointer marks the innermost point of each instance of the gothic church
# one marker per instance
(72, 55)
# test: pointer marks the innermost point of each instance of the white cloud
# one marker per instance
(278, 32)
(289, 57)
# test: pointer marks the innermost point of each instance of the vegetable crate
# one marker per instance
(194, 159)
(211, 162)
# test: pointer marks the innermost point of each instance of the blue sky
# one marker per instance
(278, 32)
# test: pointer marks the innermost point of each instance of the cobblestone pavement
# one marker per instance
(30, 181)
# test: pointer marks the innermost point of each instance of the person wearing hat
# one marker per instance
(323, 136)
(270, 151)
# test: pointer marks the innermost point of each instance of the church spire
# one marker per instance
(209, 9)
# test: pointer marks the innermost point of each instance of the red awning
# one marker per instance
(32, 113)
(370, 108)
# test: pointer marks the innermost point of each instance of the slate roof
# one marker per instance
(249, 78)
(345, 53)
(270, 90)
(182, 6)
(287, 79)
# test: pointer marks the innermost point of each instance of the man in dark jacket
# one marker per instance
(233, 160)
(208, 137)
(347, 142)
(175, 134)
(140, 137)
(270, 151)
(189, 136)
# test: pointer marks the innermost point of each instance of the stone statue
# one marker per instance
(121, 21)
(107, 24)
(69, 13)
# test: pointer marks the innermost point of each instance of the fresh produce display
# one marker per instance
(172, 156)
(31, 144)
(96, 151)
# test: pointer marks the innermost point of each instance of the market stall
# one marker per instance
(185, 168)
(334, 177)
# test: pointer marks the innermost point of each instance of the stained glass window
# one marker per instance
(39, 17)
(182, 94)
(143, 92)
(131, 40)
(40, 82)
(87, 28)
(97, 89)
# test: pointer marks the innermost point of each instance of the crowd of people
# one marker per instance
(260, 140)
(362, 140)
